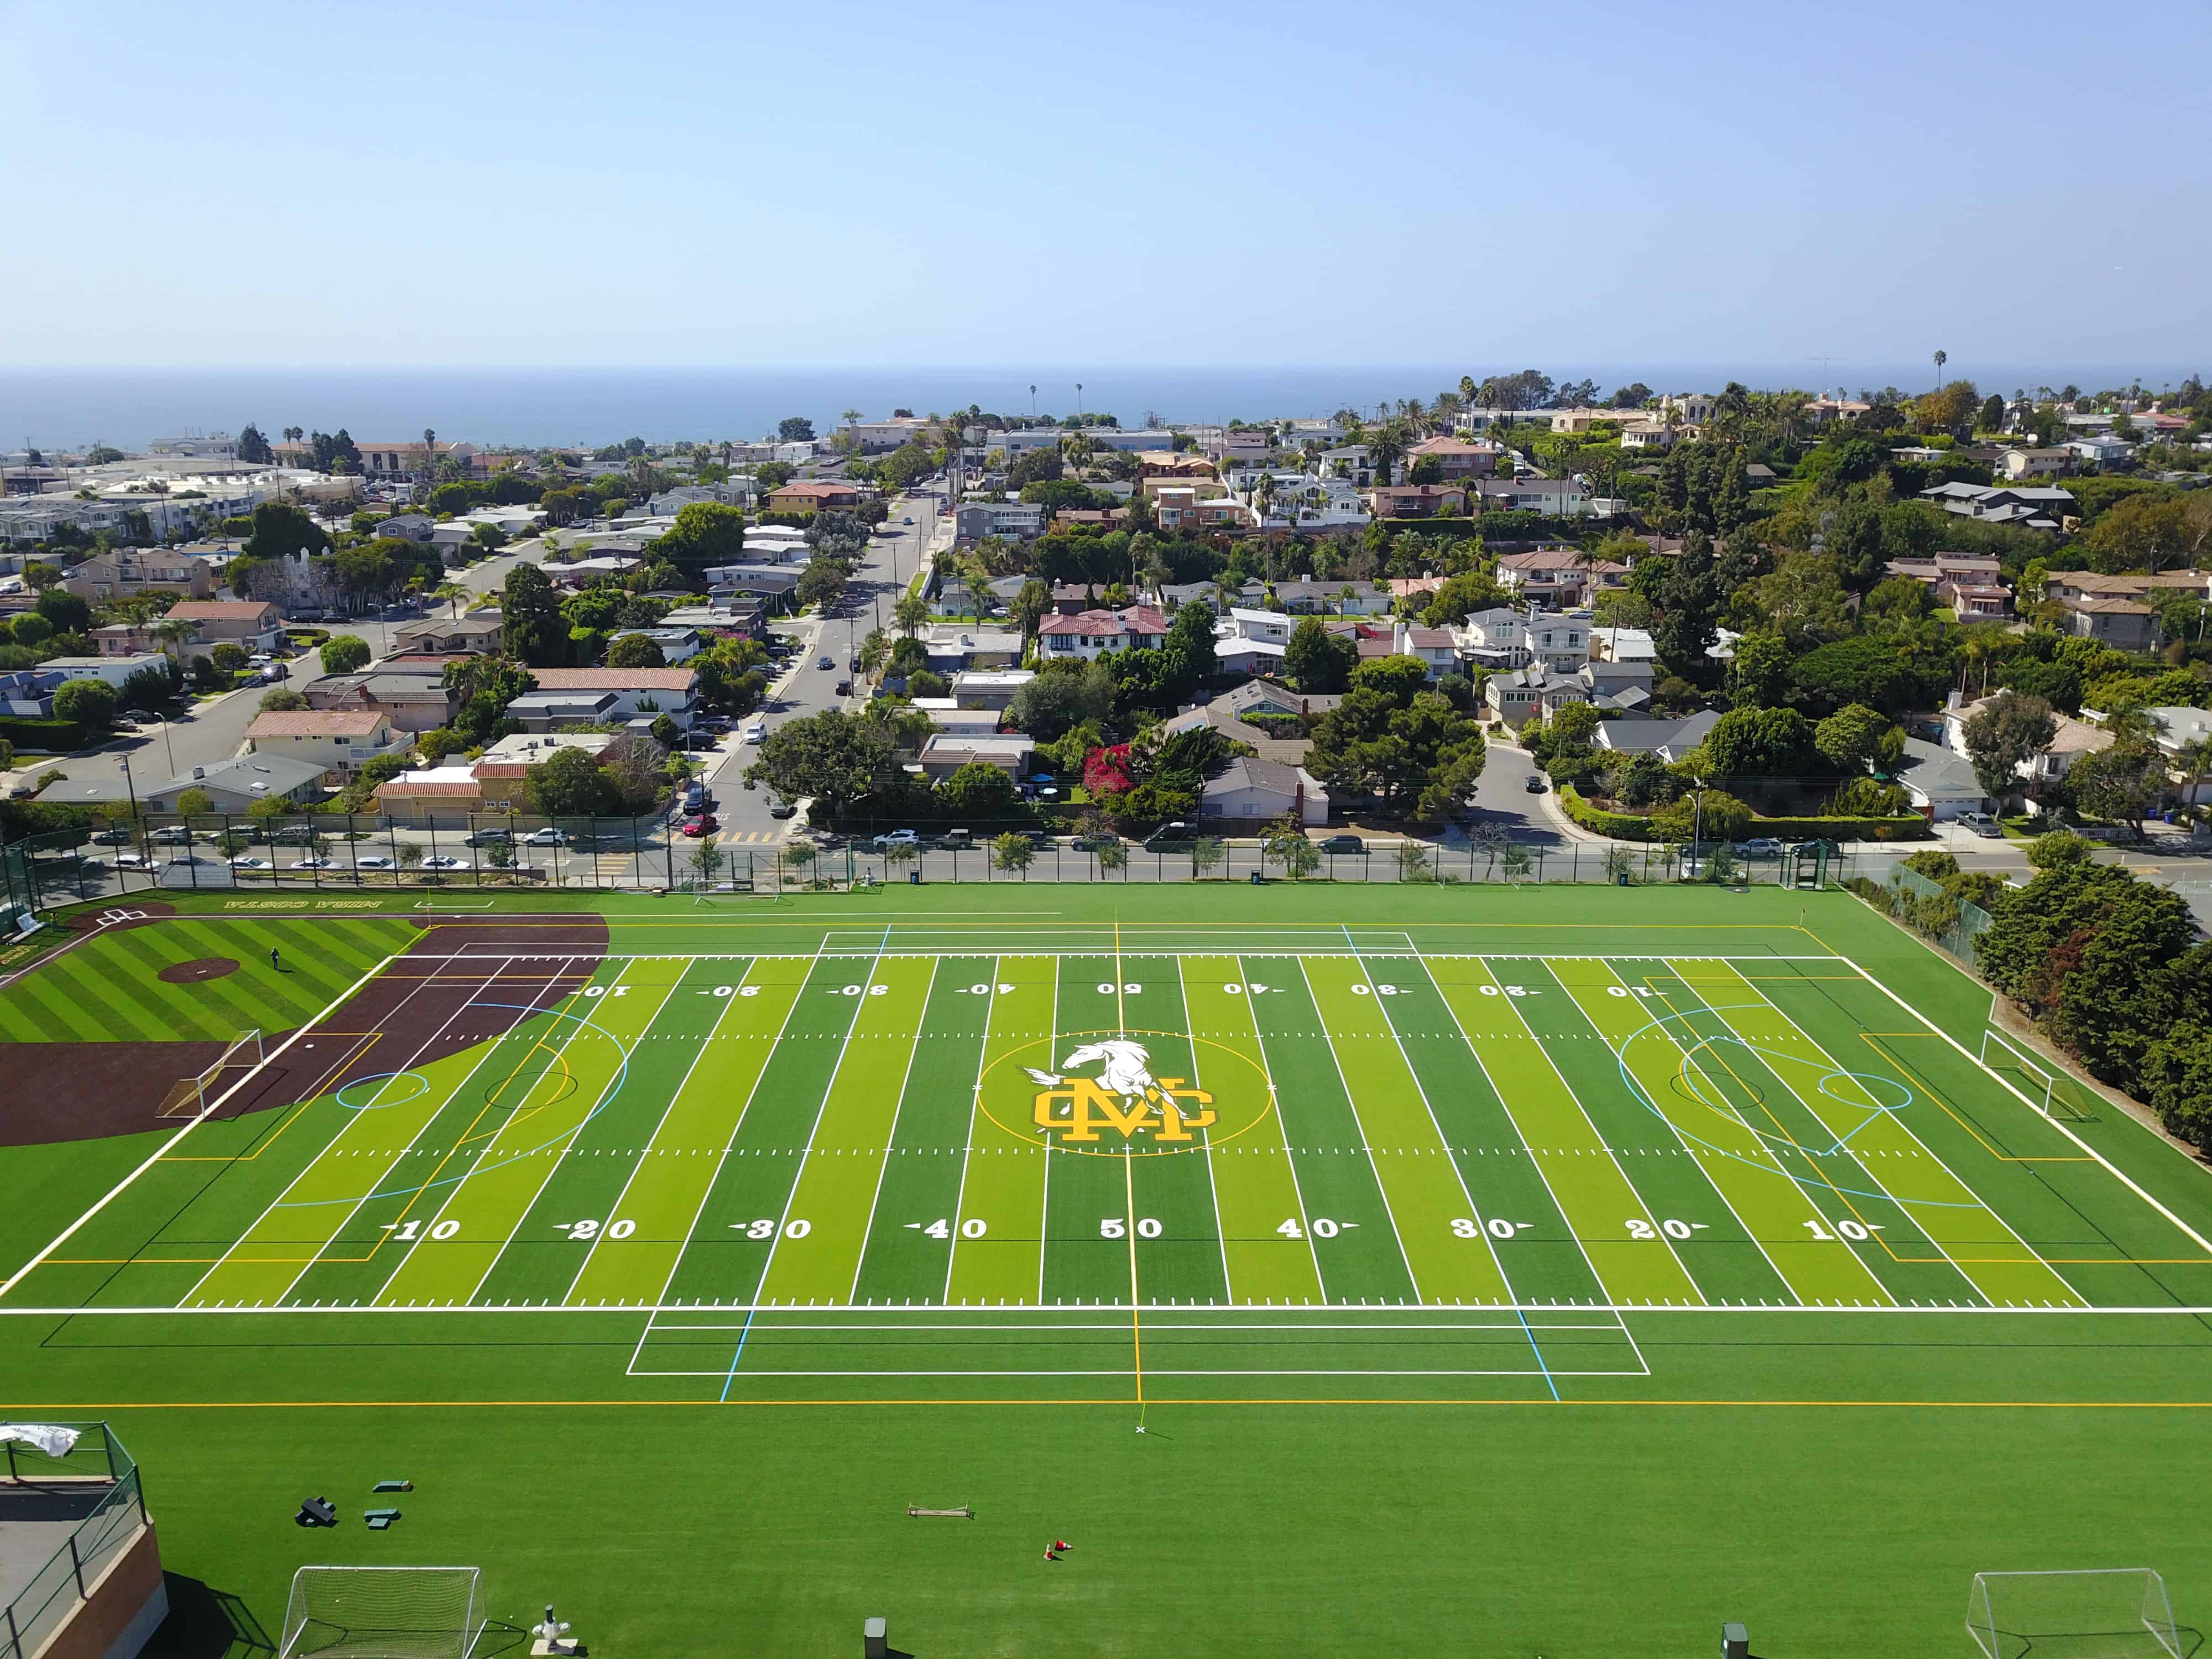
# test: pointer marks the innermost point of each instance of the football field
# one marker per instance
(1148, 1161)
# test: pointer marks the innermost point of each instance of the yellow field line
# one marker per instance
(1945, 1106)
(1062, 1401)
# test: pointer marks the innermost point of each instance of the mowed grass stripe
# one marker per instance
(1560, 1142)
(1358, 1255)
(1254, 1191)
(1976, 1240)
(507, 1157)
(236, 1002)
(1882, 1233)
(580, 1196)
(1770, 1205)
(126, 974)
(1003, 1182)
(320, 1211)
(61, 1003)
(1541, 1258)
(1184, 1263)
(1725, 1262)
(1082, 1262)
(920, 1188)
(737, 1225)
(665, 1193)
(1420, 1182)
(510, 1073)
(843, 1164)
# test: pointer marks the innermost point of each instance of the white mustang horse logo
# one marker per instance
(1126, 1071)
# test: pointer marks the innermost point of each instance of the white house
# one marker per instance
(1093, 633)
(1252, 789)
(1504, 638)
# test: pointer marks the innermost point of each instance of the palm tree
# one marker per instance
(175, 633)
(1942, 358)
(451, 593)
(849, 417)
(911, 613)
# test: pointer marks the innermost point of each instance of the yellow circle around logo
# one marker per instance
(1119, 1094)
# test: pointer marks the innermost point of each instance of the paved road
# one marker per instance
(802, 688)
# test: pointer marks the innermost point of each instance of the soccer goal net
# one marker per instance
(2052, 1092)
(190, 1096)
(2118, 1612)
(383, 1612)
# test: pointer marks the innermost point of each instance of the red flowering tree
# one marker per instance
(1106, 771)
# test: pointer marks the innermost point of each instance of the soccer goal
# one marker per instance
(383, 1612)
(2114, 1613)
(2052, 1093)
(190, 1096)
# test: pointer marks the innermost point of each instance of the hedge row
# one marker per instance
(1630, 826)
(59, 735)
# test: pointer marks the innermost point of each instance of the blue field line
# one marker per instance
(1549, 1381)
(738, 1358)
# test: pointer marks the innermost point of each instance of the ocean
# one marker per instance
(67, 409)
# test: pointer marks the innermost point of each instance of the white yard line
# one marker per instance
(1680, 1139)
(1282, 1130)
(1198, 1081)
(967, 1155)
(490, 1049)
(882, 1169)
(2121, 1175)
(1904, 1208)
(576, 1028)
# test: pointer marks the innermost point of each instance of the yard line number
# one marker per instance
(765, 1228)
(583, 1230)
(1497, 1226)
(1857, 1233)
(408, 1231)
(1639, 1228)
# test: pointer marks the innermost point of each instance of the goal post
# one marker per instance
(383, 1612)
(2035, 1077)
(2103, 1612)
(189, 1097)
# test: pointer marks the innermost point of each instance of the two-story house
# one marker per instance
(1557, 498)
(1557, 577)
(1416, 500)
(1504, 638)
(339, 740)
(1093, 633)
(129, 572)
(1456, 458)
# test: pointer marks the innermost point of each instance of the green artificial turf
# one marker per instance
(1832, 1479)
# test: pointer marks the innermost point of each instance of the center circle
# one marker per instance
(1124, 1094)
(374, 1085)
(1870, 1084)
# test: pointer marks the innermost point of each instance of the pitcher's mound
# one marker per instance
(191, 973)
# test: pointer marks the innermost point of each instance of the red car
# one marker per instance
(705, 826)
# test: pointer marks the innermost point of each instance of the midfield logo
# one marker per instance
(1124, 1097)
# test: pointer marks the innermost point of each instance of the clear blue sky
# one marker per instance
(830, 183)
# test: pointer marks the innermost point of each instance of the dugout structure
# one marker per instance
(2114, 1613)
(383, 1612)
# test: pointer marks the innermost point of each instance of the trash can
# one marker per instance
(1257, 879)
(914, 876)
(1621, 879)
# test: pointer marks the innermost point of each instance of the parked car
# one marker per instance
(546, 837)
(114, 838)
(1342, 844)
(290, 832)
(312, 861)
(375, 861)
(852, 665)
(1094, 843)
(247, 861)
(441, 861)
(487, 837)
(1981, 823)
(1759, 846)
(757, 732)
(1169, 834)
(782, 808)
(705, 824)
(1535, 784)
(135, 861)
(172, 835)
(896, 838)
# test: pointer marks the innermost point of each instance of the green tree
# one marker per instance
(1206, 853)
(532, 628)
(569, 784)
(705, 534)
(1063, 696)
(228, 657)
(794, 429)
(1315, 661)
(91, 703)
(1721, 816)
(1013, 851)
(2121, 782)
(65, 611)
(2004, 734)
(635, 651)
(981, 792)
(1855, 738)
(1759, 674)
(343, 653)
(2058, 848)
(31, 630)
(282, 699)
(1288, 848)
(833, 757)
(1758, 742)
